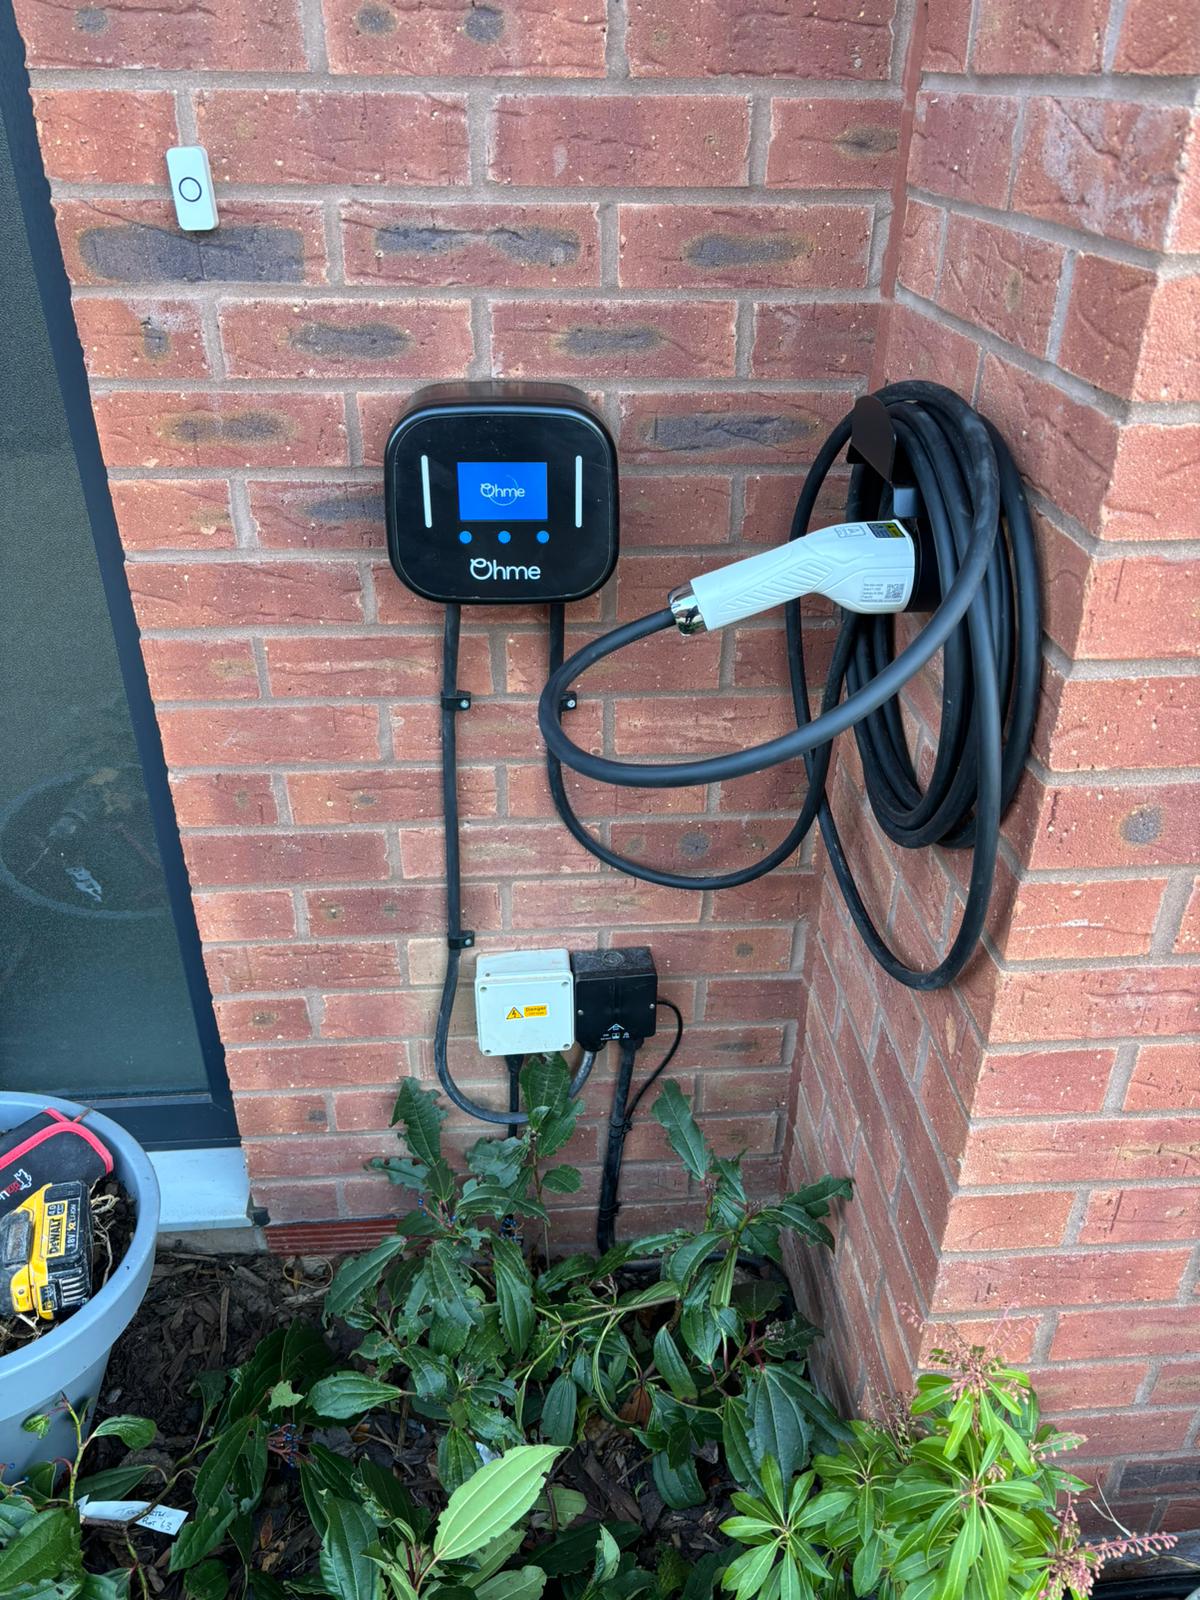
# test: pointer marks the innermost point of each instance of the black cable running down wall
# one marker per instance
(459, 938)
(976, 526)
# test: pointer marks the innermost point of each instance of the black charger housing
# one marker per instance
(616, 995)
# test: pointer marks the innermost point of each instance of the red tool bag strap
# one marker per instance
(49, 1148)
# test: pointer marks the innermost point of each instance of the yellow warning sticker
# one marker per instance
(517, 1015)
(513, 1016)
(535, 1011)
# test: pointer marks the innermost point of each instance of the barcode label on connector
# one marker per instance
(888, 530)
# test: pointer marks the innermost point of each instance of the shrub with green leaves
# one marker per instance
(956, 1498)
(491, 1341)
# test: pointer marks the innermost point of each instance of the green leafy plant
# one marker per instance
(955, 1497)
(487, 1338)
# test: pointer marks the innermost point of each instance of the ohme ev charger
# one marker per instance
(503, 493)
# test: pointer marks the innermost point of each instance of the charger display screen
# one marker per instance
(502, 491)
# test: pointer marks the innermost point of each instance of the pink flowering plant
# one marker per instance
(953, 1497)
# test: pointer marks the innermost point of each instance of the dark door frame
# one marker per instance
(178, 1121)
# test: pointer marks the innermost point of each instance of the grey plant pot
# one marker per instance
(70, 1359)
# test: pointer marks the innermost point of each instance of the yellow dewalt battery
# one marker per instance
(46, 1252)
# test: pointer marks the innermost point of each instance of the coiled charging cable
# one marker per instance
(975, 523)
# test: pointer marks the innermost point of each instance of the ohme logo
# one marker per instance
(502, 494)
(485, 567)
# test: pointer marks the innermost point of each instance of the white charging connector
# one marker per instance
(868, 567)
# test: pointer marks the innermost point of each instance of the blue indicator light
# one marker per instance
(543, 537)
(464, 537)
(502, 491)
(504, 536)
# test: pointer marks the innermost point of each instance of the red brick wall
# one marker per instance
(686, 208)
(1029, 1142)
(686, 211)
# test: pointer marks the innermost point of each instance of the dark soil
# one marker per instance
(204, 1312)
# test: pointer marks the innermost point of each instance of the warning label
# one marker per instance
(513, 1016)
(535, 1011)
(517, 1015)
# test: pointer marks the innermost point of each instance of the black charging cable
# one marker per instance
(459, 938)
(988, 624)
(621, 1120)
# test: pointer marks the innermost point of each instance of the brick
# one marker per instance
(1106, 319)
(357, 338)
(318, 516)
(1124, 722)
(296, 1157)
(1063, 448)
(263, 914)
(1142, 1216)
(236, 36)
(368, 667)
(1165, 1078)
(272, 968)
(817, 340)
(360, 138)
(620, 140)
(1082, 1150)
(917, 346)
(141, 339)
(717, 950)
(395, 794)
(648, 670)
(496, 850)
(164, 515)
(1184, 232)
(1058, 1278)
(1023, 1221)
(1068, 1389)
(702, 847)
(648, 726)
(995, 278)
(603, 339)
(1064, 36)
(132, 242)
(399, 1014)
(399, 908)
(1109, 167)
(744, 247)
(529, 796)
(609, 901)
(962, 146)
(243, 593)
(770, 499)
(658, 510)
(259, 1114)
(758, 429)
(248, 736)
(217, 799)
(1157, 37)
(217, 860)
(1169, 368)
(1187, 941)
(1156, 476)
(493, 731)
(261, 1022)
(1139, 1331)
(541, 246)
(730, 999)
(833, 144)
(408, 36)
(921, 249)
(296, 1202)
(194, 669)
(1075, 921)
(75, 131)
(1177, 1384)
(221, 429)
(1131, 1433)
(1137, 606)
(1141, 825)
(716, 37)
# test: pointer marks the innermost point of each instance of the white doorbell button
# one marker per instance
(192, 187)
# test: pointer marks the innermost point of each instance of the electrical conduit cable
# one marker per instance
(988, 624)
(618, 1127)
(456, 935)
